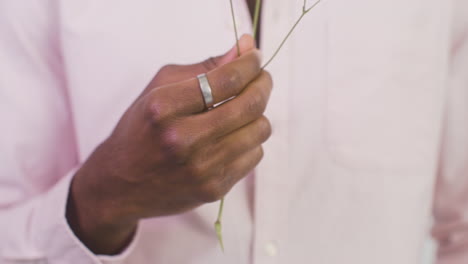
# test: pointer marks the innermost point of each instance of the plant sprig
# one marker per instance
(305, 10)
(233, 14)
(218, 224)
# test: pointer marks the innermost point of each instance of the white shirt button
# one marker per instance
(271, 249)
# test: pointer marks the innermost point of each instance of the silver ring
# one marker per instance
(206, 91)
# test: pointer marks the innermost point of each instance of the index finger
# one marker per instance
(226, 81)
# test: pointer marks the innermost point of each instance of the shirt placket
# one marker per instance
(271, 173)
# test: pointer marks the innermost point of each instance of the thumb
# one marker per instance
(246, 43)
(176, 73)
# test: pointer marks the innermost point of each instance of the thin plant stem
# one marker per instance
(235, 27)
(256, 18)
(218, 224)
(305, 10)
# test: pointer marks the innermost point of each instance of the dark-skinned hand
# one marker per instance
(167, 154)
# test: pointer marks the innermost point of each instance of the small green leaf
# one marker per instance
(218, 225)
(219, 234)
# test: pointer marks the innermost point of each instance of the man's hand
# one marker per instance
(168, 155)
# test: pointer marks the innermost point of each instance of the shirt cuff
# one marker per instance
(57, 239)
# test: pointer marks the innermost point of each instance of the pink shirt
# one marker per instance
(369, 114)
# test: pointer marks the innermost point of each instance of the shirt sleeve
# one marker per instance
(37, 142)
(451, 193)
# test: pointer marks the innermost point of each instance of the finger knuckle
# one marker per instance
(257, 61)
(261, 153)
(256, 156)
(232, 81)
(173, 146)
(167, 69)
(255, 104)
(156, 111)
(265, 128)
(210, 64)
(268, 78)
